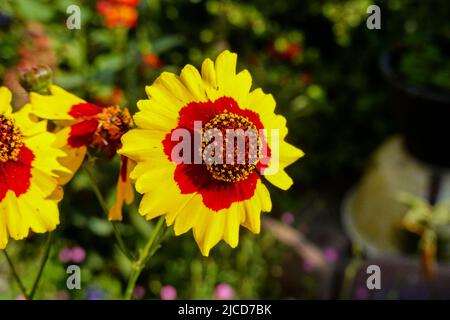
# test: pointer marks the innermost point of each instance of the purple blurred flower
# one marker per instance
(224, 291)
(287, 218)
(5, 20)
(168, 293)
(362, 293)
(309, 266)
(95, 293)
(65, 255)
(78, 254)
(331, 255)
(139, 292)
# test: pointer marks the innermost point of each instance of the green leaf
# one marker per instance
(167, 43)
(33, 10)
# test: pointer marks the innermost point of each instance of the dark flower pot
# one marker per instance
(423, 114)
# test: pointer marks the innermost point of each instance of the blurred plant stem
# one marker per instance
(48, 247)
(101, 200)
(15, 275)
(30, 296)
(350, 272)
(152, 245)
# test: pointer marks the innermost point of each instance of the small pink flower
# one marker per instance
(168, 293)
(65, 255)
(331, 255)
(287, 218)
(62, 295)
(362, 293)
(309, 266)
(21, 297)
(224, 291)
(139, 292)
(78, 254)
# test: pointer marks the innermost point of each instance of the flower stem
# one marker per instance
(101, 200)
(15, 275)
(148, 251)
(44, 260)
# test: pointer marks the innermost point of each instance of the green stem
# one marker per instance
(44, 260)
(149, 250)
(101, 200)
(351, 272)
(16, 275)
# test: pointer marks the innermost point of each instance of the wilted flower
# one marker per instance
(87, 125)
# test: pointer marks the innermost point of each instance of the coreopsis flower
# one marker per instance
(119, 13)
(29, 192)
(87, 125)
(210, 197)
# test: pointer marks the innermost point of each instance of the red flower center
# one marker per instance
(231, 168)
(10, 140)
(15, 159)
(220, 183)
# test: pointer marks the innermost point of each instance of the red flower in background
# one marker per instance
(152, 60)
(117, 97)
(119, 13)
(288, 53)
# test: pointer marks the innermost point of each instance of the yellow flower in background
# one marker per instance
(212, 198)
(29, 192)
(85, 125)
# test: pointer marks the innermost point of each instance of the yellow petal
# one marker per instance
(192, 80)
(209, 73)
(154, 116)
(209, 230)
(143, 144)
(225, 68)
(252, 215)
(280, 179)
(55, 106)
(232, 224)
(5, 101)
(188, 217)
(124, 189)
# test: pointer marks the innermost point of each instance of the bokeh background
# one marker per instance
(321, 63)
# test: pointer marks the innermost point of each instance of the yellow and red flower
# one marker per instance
(87, 125)
(29, 191)
(213, 199)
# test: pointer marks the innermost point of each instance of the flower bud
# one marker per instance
(37, 79)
